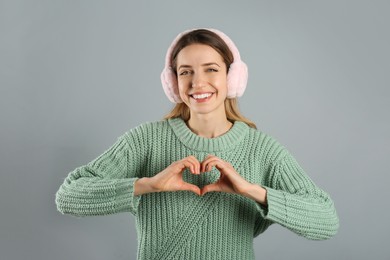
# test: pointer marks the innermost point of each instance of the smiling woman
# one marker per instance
(203, 182)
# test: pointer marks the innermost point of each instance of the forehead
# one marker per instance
(198, 53)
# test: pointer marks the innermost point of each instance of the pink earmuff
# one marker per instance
(237, 77)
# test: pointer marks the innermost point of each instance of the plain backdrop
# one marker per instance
(75, 75)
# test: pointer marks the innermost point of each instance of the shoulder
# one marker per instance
(146, 131)
(146, 127)
(262, 137)
(266, 145)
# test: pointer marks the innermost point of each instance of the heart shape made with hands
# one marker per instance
(211, 170)
(202, 179)
(212, 174)
(207, 174)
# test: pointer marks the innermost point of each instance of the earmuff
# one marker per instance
(237, 76)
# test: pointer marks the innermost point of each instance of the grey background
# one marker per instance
(75, 75)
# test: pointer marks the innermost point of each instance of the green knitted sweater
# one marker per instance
(183, 225)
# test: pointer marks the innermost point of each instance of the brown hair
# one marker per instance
(203, 36)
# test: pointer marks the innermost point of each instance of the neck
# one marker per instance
(209, 126)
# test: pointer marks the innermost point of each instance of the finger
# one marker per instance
(219, 164)
(189, 165)
(209, 188)
(206, 161)
(190, 187)
(214, 161)
(195, 164)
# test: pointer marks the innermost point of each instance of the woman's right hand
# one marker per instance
(170, 179)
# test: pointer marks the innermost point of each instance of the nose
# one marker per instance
(198, 81)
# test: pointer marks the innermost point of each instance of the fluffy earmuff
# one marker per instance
(237, 77)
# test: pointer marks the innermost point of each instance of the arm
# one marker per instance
(292, 199)
(298, 204)
(103, 186)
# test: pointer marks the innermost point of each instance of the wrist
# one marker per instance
(257, 193)
(143, 186)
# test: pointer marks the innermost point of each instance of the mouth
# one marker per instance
(202, 97)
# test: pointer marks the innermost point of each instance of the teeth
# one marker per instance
(201, 96)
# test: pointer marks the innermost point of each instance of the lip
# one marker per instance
(200, 93)
(201, 100)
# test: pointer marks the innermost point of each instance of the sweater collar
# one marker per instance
(226, 141)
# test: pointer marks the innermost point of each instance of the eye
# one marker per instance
(184, 73)
(211, 70)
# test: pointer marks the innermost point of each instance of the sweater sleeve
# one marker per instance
(297, 203)
(103, 186)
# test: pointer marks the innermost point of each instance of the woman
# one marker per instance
(203, 182)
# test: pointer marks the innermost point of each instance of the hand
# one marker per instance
(171, 179)
(229, 181)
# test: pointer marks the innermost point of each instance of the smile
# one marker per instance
(201, 97)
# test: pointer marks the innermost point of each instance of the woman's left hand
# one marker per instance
(231, 181)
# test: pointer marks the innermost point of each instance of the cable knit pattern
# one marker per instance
(182, 225)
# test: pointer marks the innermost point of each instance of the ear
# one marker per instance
(170, 86)
(237, 79)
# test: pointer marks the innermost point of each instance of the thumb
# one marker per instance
(190, 187)
(209, 188)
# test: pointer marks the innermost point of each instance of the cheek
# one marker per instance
(182, 86)
(221, 82)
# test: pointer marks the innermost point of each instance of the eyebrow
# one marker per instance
(204, 65)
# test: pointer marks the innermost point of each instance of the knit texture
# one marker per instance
(183, 225)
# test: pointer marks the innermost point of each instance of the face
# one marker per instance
(201, 74)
